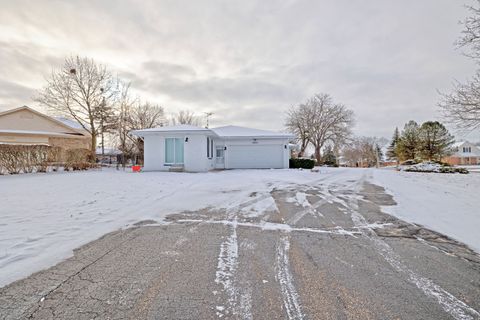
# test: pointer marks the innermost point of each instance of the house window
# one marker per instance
(209, 148)
(467, 149)
(173, 151)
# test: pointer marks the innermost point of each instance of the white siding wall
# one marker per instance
(196, 154)
(195, 151)
(154, 153)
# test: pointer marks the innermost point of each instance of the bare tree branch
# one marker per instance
(185, 117)
(79, 90)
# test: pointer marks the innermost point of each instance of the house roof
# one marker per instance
(68, 122)
(178, 129)
(239, 132)
(222, 132)
(64, 122)
(458, 144)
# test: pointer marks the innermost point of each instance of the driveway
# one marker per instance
(325, 252)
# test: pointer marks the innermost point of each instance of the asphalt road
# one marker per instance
(334, 256)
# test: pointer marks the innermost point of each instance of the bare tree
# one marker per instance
(462, 106)
(470, 37)
(147, 115)
(135, 115)
(327, 122)
(78, 90)
(363, 151)
(297, 123)
(185, 117)
(124, 105)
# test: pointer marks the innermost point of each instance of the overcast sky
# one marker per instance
(247, 61)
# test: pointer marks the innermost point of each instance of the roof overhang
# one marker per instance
(149, 132)
(280, 136)
(40, 133)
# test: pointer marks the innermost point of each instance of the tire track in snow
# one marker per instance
(226, 268)
(239, 301)
(285, 278)
(458, 309)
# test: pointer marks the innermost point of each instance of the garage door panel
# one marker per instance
(255, 156)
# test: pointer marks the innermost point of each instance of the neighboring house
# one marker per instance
(29, 127)
(196, 149)
(464, 153)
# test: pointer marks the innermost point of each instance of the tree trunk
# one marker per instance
(103, 147)
(318, 156)
(93, 147)
(303, 147)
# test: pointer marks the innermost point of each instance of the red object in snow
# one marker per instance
(136, 168)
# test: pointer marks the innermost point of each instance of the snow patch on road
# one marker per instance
(264, 204)
(300, 198)
(239, 300)
(285, 278)
(272, 226)
(226, 268)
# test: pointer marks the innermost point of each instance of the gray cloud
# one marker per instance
(13, 95)
(247, 61)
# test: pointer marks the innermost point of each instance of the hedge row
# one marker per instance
(445, 169)
(39, 158)
(296, 163)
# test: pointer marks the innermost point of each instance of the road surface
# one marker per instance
(326, 252)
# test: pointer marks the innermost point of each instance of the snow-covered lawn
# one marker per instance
(43, 217)
(447, 203)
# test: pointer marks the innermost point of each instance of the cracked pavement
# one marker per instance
(325, 251)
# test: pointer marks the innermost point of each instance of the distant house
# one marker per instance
(25, 126)
(464, 153)
(107, 155)
(190, 148)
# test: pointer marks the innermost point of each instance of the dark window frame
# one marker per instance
(210, 148)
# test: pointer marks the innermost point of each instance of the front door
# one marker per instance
(174, 151)
(220, 157)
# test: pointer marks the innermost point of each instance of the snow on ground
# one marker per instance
(43, 217)
(447, 203)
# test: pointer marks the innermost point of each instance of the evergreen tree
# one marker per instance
(409, 144)
(379, 154)
(435, 140)
(392, 151)
(329, 157)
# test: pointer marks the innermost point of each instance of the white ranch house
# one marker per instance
(195, 149)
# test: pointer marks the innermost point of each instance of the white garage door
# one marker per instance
(255, 156)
